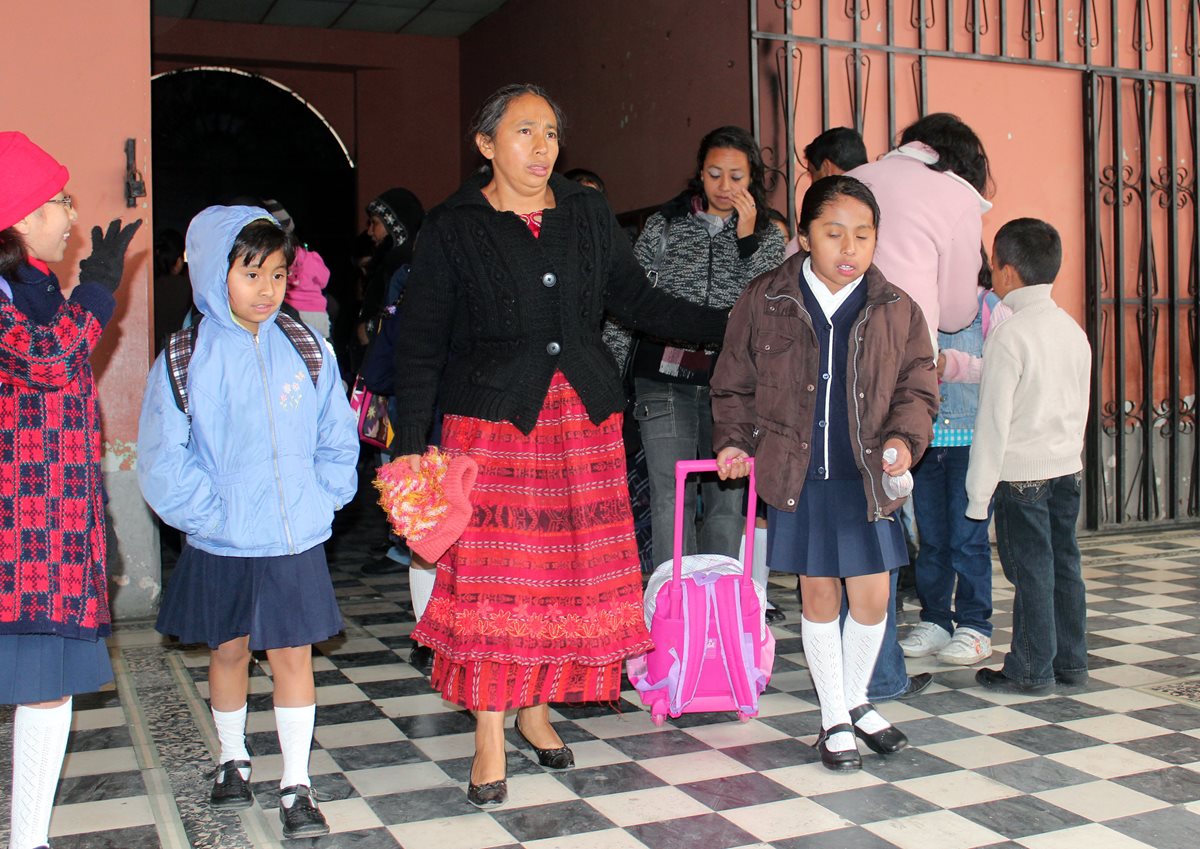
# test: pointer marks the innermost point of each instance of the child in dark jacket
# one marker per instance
(827, 366)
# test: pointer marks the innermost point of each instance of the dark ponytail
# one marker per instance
(12, 252)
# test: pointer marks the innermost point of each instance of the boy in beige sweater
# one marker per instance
(1027, 448)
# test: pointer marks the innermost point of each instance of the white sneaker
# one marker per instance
(924, 639)
(966, 648)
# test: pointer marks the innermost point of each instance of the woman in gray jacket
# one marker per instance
(704, 245)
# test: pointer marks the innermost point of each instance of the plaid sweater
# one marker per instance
(52, 526)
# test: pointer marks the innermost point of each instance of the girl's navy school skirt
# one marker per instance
(45, 667)
(277, 601)
(829, 536)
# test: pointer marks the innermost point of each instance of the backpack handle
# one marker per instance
(682, 469)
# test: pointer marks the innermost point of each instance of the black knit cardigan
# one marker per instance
(490, 312)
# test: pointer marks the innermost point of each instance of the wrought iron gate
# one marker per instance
(1139, 66)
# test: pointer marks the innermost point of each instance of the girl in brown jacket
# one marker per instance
(825, 367)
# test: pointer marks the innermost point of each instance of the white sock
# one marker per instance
(231, 731)
(758, 570)
(420, 585)
(823, 650)
(295, 728)
(39, 744)
(860, 648)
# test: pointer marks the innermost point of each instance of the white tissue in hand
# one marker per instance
(896, 486)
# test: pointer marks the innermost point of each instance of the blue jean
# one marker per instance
(676, 424)
(952, 546)
(890, 677)
(1035, 528)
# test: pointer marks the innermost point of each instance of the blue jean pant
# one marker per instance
(953, 547)
(1035, 529)
(676, 424)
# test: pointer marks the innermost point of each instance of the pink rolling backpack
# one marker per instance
(712, 649)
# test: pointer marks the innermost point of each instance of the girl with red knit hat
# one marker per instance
(53, 589)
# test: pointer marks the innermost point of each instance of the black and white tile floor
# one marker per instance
(1114, 767)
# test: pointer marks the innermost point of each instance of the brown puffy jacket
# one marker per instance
(764, 387)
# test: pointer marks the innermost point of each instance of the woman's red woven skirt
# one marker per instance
(541, 598)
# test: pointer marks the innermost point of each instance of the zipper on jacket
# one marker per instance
(862, 449)
(262, 367)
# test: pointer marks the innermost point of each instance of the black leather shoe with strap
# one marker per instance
(886, 741)
(838, 761)
(303, 818)
(230, 790)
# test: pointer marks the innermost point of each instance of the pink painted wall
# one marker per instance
(80, 104)
(393, 99)
(640, 82)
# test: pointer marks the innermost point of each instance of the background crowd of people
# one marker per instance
(517, 324)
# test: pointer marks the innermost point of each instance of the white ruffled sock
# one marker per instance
(294, 725)
(420, 586)
(39, 745)
(860, 649)
(231, 732)
(823, 651)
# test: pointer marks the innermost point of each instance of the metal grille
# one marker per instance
(1138, 63)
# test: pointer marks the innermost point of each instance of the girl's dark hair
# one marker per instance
(735, 138)
(258, 240)
(985, 270)
(958, 148)
(828, 189)
(491, 113)
(12, 252)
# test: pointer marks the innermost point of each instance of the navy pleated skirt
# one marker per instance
(829, 536)
(278, 601)
(44, 667)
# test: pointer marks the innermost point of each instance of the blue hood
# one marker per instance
(210, 237)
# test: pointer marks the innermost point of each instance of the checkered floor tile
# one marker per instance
(1116, 765)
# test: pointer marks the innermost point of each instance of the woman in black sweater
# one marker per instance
(540, 600)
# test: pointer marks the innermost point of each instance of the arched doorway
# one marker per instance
(221, 134)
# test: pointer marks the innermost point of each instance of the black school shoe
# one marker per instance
(422, 658)
(303, 818)
(916, 684)
(838, 761)
(996, 681)
(886, 741)
(230, 791)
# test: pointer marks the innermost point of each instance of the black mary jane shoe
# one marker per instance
(230, 791)
(886, 741)
(838, 761)
(493, 794)
(560, 758)
(303, 818)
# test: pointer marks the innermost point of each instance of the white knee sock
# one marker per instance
(860, 648)
(420, 585)
(231, 731)
(39, 744)
(823, 650)
(295, 728)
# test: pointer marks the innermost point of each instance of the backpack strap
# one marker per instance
(182, 343)
(736, 655)
(306, 343)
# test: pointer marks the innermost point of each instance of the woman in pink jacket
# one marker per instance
(930, 191)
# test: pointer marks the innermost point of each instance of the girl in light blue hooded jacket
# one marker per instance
(253, 478)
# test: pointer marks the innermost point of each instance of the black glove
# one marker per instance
(107, 262)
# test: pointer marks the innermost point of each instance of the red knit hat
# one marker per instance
(431, 507)
(28, 177)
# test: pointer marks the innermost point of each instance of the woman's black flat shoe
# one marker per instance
(838, 761)
(885, 742)
(490, 795)
(560, 758)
